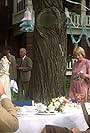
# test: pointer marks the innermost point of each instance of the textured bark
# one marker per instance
(49, 52)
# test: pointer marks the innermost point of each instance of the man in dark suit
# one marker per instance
(24, 66)
(8, 116)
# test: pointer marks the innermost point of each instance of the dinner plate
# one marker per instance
(20, 113)
(45, 113)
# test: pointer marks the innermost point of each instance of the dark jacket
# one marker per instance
(25, 73)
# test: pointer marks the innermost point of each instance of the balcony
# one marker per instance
(88, 20)
(16, 17)
(19, 9)
(76, 19)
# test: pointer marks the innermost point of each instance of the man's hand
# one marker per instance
(1, 89)
(75, 130)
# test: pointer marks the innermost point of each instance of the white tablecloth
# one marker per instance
(32, 123)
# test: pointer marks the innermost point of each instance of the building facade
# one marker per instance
(78, 29)
(80, 26)
(12, 12)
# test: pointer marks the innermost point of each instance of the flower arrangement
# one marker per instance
(57, 104)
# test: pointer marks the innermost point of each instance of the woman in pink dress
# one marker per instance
(80, 75)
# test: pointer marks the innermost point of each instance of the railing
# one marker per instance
(88, 20)
(70, 62)
(76, 19)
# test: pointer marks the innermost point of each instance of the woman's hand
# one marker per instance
(82, 75)
(80, 97)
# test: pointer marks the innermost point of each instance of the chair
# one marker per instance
(22, 102)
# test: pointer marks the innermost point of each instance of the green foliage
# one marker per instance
(67, 84)
(13, 95)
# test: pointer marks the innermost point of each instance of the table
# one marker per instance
(32, 123)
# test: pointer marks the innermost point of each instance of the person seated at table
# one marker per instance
(8, 115)
(56, 129)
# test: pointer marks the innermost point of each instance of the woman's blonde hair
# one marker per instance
(79, 50)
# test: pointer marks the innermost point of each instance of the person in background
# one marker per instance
(24, 66)
(12, 60)
(4, 74)
(80, 75)
(8, 116)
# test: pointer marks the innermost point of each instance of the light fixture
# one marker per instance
(27, 24)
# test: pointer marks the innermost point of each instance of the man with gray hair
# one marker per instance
(24, 66)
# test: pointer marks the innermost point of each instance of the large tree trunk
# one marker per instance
(49, 50)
